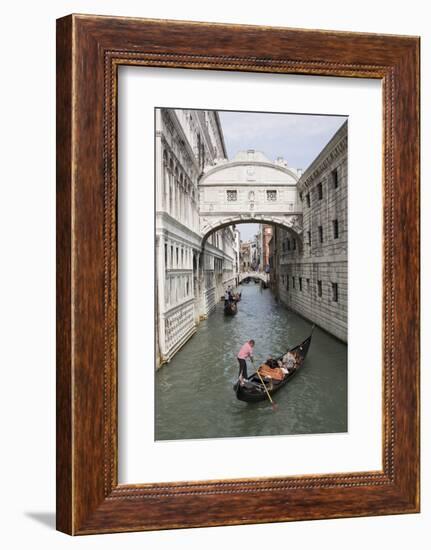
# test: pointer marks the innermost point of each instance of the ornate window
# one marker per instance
(232, 195)
(271, 195)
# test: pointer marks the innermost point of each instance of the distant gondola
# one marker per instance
(253, 389)
(230, 308)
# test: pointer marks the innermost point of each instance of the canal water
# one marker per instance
(194, 393)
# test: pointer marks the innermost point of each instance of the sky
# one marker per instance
(247, 230)
(297, 138)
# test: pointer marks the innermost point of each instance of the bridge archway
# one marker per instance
(290, 223)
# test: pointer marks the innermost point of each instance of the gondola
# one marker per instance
(230, 308)
(253, 390)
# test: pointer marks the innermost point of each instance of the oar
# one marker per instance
(274, 406)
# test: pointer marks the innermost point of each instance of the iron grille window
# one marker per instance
(287, 282)
(271, 195)
(320, 191)
(300, 284)
(335, 178)
(308, 200)
(288, 244)
(335, 228)
(320, 234)
(309, 237)
(319, 289)
(335, 292)
(294, 244)
(232, 195)
(293, 282)
(308, 285)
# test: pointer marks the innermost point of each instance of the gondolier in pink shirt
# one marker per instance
(246, 352)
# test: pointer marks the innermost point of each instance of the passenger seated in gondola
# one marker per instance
(271, 370)
(226, 297)
(289, 361)
(271, 362)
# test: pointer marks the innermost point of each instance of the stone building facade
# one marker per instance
(190, 278)
(309, 272)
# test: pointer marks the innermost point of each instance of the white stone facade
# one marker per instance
(310, 273)
(190, 279)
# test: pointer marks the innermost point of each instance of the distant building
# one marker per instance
(245, 256)
(264, 237)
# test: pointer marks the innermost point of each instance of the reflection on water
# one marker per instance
(194, 395)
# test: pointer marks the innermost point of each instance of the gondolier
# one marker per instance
(246, 352)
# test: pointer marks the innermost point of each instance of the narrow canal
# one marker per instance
(194, 394)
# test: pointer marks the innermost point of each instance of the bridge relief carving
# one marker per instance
(249, 189)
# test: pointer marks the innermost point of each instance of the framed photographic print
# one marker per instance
(237, 274)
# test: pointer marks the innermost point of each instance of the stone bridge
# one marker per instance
(253, 275)
(249, 189)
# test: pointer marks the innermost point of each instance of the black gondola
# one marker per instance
(230, 308)
(253, 390)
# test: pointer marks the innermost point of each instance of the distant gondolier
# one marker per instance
(246, 352)
(226, 297)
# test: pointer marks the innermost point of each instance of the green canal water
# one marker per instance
(194, 394)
